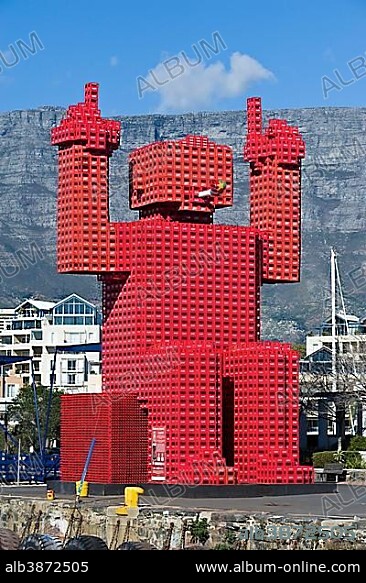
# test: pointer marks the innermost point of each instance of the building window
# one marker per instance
(74, 312)
(10, 391)
(71, 379)
(331, 427)
(28, 312)
(71, 365)
(348, 425)
(75, 337)
(312, 425)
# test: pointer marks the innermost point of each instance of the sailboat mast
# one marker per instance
(334, 330)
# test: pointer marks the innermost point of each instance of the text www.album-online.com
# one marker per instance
(301, 567)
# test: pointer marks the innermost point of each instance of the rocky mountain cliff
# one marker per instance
(334, 205)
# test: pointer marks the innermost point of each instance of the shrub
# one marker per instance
(350, 459)
(320, 458)
(357, 443)
(229, 543)
(353, 460)
(199, 531)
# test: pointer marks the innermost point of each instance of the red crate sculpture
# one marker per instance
(190, 393)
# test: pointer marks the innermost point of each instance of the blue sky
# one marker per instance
(293, 54)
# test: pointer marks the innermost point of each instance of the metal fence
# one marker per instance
(30, 467)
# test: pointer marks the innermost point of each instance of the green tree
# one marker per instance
(199, 531)
(22, 416)
(301, 349)
(2, 441)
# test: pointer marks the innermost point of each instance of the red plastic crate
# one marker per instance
(190, 394)
(275, 158)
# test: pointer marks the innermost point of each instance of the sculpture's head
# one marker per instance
(191, 174)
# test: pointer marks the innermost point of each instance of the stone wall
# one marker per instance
(356, 476)
(159, 525)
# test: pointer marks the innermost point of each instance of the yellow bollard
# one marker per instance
(130, 506)
(84, 491)
(50, 494)
(132, 496)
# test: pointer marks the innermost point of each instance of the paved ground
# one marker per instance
(350, 501)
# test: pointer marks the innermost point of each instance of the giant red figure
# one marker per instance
(190, 393)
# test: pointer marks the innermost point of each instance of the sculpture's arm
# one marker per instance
(86, 240)
(275, 192)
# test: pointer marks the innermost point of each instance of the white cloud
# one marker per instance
(113, 61)
(190, 87)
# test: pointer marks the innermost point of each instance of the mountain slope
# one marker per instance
(334, 204)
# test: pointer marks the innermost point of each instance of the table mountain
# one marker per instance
(334, 205)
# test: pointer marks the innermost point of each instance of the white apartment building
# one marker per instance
(6, 314)
(316, 370)
(350, 336)
(35, 330)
